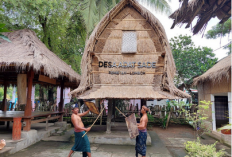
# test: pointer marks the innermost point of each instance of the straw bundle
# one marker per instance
(106, 43)
(215, 74)
(25, 50)
(204, 10)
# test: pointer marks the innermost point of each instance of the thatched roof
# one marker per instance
(215, 74)
(25, 50)
(204, 10)
(105, 44)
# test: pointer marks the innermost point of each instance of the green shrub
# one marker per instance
(196, 149)
(150, 118)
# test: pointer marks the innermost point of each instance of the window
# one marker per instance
(129, 42)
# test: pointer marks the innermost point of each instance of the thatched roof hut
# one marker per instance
(218, 72)
(26, 51)
(121, 79)
(204, 10)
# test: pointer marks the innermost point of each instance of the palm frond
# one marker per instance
(102, 6)
(89, 14)
(159, 5)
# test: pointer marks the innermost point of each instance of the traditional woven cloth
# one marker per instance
(141, 146)
(81, 143)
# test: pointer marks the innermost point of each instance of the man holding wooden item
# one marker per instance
(141, 139)
(81, 143)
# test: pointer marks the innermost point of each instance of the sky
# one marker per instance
(197, 39)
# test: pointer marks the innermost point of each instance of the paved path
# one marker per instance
(165, 143)
(61, 149)
(176, 135)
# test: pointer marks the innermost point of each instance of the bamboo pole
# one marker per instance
(95, 120)
(120, 112)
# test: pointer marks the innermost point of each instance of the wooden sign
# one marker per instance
(46, 79)
(92, 107)
(132, 126)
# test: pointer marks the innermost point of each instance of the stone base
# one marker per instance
(61, 125)
(118, 136)
(27, 138)
(226, 139)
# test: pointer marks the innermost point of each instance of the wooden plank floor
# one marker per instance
(12, 114)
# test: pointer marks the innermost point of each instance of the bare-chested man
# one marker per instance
(141, 139)
(81, 143)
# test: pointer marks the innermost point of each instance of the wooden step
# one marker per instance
(4, 152)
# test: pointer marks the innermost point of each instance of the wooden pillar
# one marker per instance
(16, 128)
(4, 102)
(109, 116)
(113, 108)
(143, 103)
(28, 108)
(61, 104)
(97, 103)
(229, 108)
(101, 107)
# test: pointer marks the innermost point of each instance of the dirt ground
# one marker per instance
(174, 131)
(176, 135)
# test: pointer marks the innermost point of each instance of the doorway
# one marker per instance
(221, 111)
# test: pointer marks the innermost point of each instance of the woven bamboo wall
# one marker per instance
(109, 44)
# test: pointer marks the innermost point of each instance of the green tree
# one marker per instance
(93, 10)
(220, 30)
(62, 25)
(1, 93)
(8, 94)
(51, 22)
(191, 61)
(2, 30)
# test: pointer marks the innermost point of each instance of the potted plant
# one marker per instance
(225, 129)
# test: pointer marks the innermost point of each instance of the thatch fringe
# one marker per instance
(114, 44)
(204, 10)
(215, 74)
(25, 50)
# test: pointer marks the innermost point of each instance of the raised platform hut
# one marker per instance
(128, 56)
(26, 61)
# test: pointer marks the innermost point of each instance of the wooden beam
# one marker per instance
(134, 54)
(52, 118)
(6, 119)
(46, 79)
(61, 104)
(129, 20)
(44, 119)
(130, 29)
(109, 116)
(106, 72)
(38, 120)
(123, 84)
(28, 108)
(157, 65)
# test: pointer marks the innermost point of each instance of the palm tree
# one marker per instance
(93, 10)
